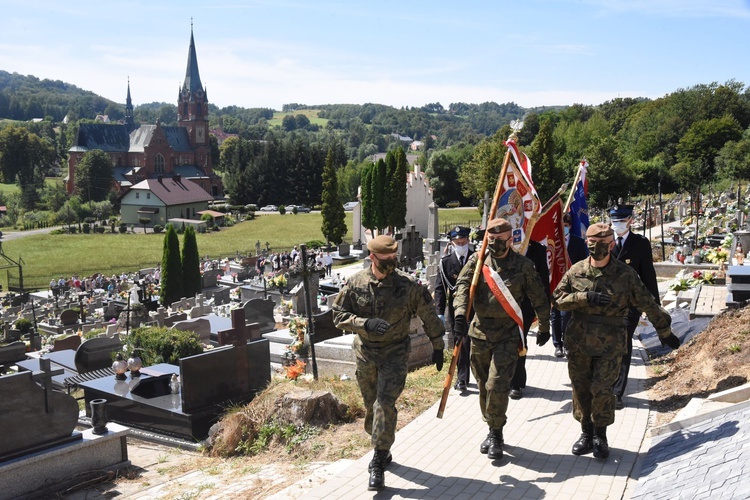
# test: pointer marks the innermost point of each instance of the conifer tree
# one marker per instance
(334, 222)
(191, 269)
(366, 194)
(171, 268)
(397, 191)
(379, 196)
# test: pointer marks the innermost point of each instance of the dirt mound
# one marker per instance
(715, 360)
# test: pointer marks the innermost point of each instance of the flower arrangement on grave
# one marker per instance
(234, 293)
(280, 281)
(297, 330)
(687, 280)
(701, 252)
(719, 255)
(294, 371)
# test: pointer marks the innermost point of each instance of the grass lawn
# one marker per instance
(48, 256)
(311, 114)
(7, 189)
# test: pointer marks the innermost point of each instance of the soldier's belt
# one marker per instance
(599, 320)
(377, 344)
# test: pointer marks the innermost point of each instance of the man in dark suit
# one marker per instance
(450, 267)
(577, 251)
(538, 255)
(634, 250)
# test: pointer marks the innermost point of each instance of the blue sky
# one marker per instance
(267, 53)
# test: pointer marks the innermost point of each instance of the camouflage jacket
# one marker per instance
(491, 322)
(601, 330)
(396, 299)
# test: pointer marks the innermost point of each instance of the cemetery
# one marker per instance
(73, 357)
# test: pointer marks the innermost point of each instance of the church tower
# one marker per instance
(192, 109)
(129, 121)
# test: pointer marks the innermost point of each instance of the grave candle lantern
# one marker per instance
(120, 366)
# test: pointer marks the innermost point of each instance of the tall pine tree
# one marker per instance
(171, 268)
(366, 196)
(191, 266)
(379, 196)
(334, 223)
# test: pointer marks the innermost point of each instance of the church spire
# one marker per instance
(192, 76)
(129, 108)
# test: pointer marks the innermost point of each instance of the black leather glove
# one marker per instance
(460, 327)
(673, 341)
(542, 338)
(437, 359)
(377, 325)
(598, 298)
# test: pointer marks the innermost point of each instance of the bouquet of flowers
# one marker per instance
(718, 255)
(297, 330)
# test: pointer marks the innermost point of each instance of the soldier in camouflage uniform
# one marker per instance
(599, 291)
(495, 335)
(378, 304)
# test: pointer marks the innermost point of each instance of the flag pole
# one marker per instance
(573, 191)
(475, 279)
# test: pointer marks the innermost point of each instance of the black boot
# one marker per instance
(377, 472)
(388, 460)
(485, 446)
(601, 447)
(585, 443)
(495, 450)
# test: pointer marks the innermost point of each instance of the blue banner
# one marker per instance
(579, 212)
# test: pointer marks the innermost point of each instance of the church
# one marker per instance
(144, 152)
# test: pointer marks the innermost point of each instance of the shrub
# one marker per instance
(99, 229)
(282, 209)
(86, 228)
(72, 230)
(23, 325)
(158, 228)
(123, 228)
(162, 345)
(315, 244)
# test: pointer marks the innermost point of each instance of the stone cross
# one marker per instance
(44, 377)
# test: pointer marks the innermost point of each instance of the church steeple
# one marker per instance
(129, 108)
(192, 106)
(192, 75)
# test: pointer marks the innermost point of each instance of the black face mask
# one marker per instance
(598, 250)
(497, 246)
(386, 266)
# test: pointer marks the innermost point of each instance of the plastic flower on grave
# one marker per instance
(298, 328)
(295, 370)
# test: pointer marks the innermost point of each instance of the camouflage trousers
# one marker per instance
(493, 364)
(592, 378)
(381, 375)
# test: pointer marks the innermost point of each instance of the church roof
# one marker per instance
(177, 138)
(107, 137)
(174, 190)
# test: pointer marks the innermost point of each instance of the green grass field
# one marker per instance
(7, 189)
(48, 256)
(311, 114)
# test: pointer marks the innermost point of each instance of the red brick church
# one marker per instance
(141, 152)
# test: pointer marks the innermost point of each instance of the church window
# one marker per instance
(137, 195)
(159, 164)
(148, 196)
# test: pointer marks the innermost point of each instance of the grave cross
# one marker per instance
(44, 377)
(238, 336)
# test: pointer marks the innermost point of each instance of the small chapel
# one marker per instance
(143, 152)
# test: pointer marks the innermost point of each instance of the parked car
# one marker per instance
(269, 208)
(452, 204)
(349, 205)
(301, 209)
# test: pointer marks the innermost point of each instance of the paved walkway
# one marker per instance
(439, 458)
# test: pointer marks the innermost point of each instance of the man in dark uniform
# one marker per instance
(497, 326)
(600, 291)
(378, 304)
(450, 267)
(537, 253)
(635, 251)
(577, 251)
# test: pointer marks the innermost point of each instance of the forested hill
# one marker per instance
(27, 97)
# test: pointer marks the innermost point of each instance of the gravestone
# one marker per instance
(32, 417)
(174, 318)
(324, 327)
(201, 326)
(260, 311)
(344, 249)
(411, 248)
(70, 342)
(220, 296)
(13, 352)
(68, 317)
(96, 354)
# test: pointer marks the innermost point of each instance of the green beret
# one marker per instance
(599, 230)
(382, 244)
(499, 225)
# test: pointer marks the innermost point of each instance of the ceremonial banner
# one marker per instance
(519, 202)
(579, 209)
(549, 231)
